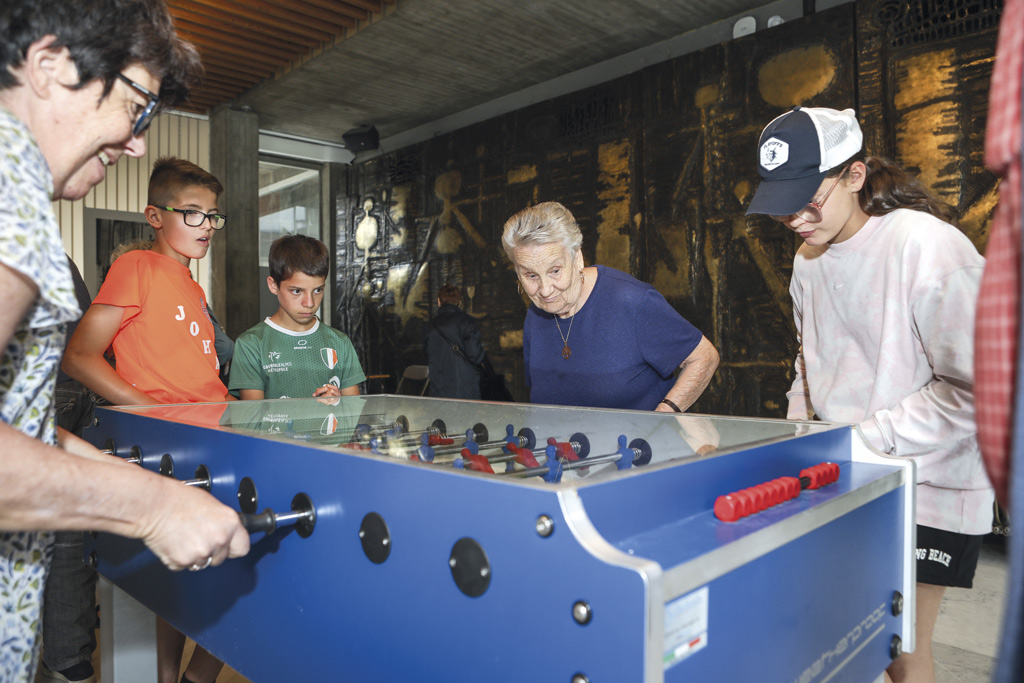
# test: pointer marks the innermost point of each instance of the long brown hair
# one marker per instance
(888, 187)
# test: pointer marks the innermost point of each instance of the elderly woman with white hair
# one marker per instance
(595, 336)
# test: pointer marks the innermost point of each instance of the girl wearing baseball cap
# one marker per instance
(884, 289)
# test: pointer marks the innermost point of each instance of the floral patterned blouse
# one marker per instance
(30, 243)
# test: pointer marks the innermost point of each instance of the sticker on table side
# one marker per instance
(686, 626)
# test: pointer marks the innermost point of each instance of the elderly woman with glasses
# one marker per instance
(79, 83)
(595, 336)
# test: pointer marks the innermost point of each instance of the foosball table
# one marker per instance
(405, 539)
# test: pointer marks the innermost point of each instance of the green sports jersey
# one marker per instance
(286, 364)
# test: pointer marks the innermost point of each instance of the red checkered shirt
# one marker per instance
(997, 323)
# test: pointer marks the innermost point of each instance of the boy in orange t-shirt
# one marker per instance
(155, 316)
(150, 309)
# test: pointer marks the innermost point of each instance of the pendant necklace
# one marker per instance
(566, 351)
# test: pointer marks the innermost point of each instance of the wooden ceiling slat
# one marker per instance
(346, 8)
(198, 99)
(210, 45)
(374, 6)
(223, 82)
(227, 72)
(229, 23)
(245, 41)
(226, 64)
(225, 91)
(331, 12)
(259, 10)
(231, 12)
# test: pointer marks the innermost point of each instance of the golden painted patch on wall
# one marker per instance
(521, 174)
(511, 340)
(669, 283)
(396, 206)
(706, 96)
(405, 306)
(614, 193)
(796, 75)
(742, 191)
(926, 101)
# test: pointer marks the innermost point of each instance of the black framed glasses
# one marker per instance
(146, 117)
(194, 218)
(812, 212)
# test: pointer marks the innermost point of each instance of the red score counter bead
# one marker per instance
(760, 497)
(727, 508)
(746, 502)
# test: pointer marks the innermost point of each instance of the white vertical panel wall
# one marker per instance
(125, 187)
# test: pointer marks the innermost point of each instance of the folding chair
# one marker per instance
(417, 373)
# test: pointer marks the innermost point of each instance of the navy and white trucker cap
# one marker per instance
(795, 152)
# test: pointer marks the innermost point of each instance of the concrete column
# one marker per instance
(234, 159)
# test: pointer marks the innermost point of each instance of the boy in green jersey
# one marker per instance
(292, 354)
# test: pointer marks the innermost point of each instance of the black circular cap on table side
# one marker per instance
(203, 474)
(167, 465)
(645, 452)
(304, 525)
(470, 567)
(531, 438)
(248, 498)
(584, 443)
(375, 538)
(480, 430)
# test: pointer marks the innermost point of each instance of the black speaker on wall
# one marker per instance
(361, 139)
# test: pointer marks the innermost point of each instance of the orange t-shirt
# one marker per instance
(164, 347)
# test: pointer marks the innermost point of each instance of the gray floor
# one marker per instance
(967, 631)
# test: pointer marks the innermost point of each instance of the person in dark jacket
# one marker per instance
(453, 374)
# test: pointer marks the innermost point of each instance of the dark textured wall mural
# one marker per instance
(658, 168)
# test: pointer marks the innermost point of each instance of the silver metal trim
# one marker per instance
(593, 542)
(702, 570)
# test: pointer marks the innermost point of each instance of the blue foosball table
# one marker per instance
(405, 539)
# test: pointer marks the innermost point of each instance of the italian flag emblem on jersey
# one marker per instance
(330, 425)
(330, 357)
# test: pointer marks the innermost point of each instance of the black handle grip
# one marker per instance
(264, 521)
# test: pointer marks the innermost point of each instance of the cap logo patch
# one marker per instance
(774, 153)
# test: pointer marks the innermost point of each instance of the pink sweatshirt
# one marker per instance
(886, 326)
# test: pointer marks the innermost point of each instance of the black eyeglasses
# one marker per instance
(146, 117)
(194, 218)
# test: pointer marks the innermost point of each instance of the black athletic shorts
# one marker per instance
(945, 558)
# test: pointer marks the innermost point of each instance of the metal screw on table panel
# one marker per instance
(895, 647)
(581, 613)
(580, 678)
(897, 603)
(451, 562)
(544, 526)
(94, 559)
